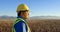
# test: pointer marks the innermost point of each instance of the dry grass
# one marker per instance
(35, 25)
(6, 26)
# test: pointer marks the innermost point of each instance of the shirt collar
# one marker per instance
(19, 17)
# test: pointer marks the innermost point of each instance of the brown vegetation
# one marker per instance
(35, 26)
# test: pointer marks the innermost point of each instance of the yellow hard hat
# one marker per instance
(23, 7)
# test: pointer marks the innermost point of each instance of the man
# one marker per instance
(20, 24)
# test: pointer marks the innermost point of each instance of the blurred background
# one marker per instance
(44, 15)
(38, 7)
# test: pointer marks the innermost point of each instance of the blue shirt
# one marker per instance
(20, 26)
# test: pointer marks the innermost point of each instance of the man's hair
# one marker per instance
(19, 13)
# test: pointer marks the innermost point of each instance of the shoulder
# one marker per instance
(18, 20)
(20, 23)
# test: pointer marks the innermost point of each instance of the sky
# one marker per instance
(37, 7)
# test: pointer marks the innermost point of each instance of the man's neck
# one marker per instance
(21, 17)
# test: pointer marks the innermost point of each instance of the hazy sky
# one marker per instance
(38, 7)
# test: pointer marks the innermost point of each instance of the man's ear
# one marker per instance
(22, 13)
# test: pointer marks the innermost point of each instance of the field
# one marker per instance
(35, 26)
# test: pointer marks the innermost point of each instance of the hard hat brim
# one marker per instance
(25, 10)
